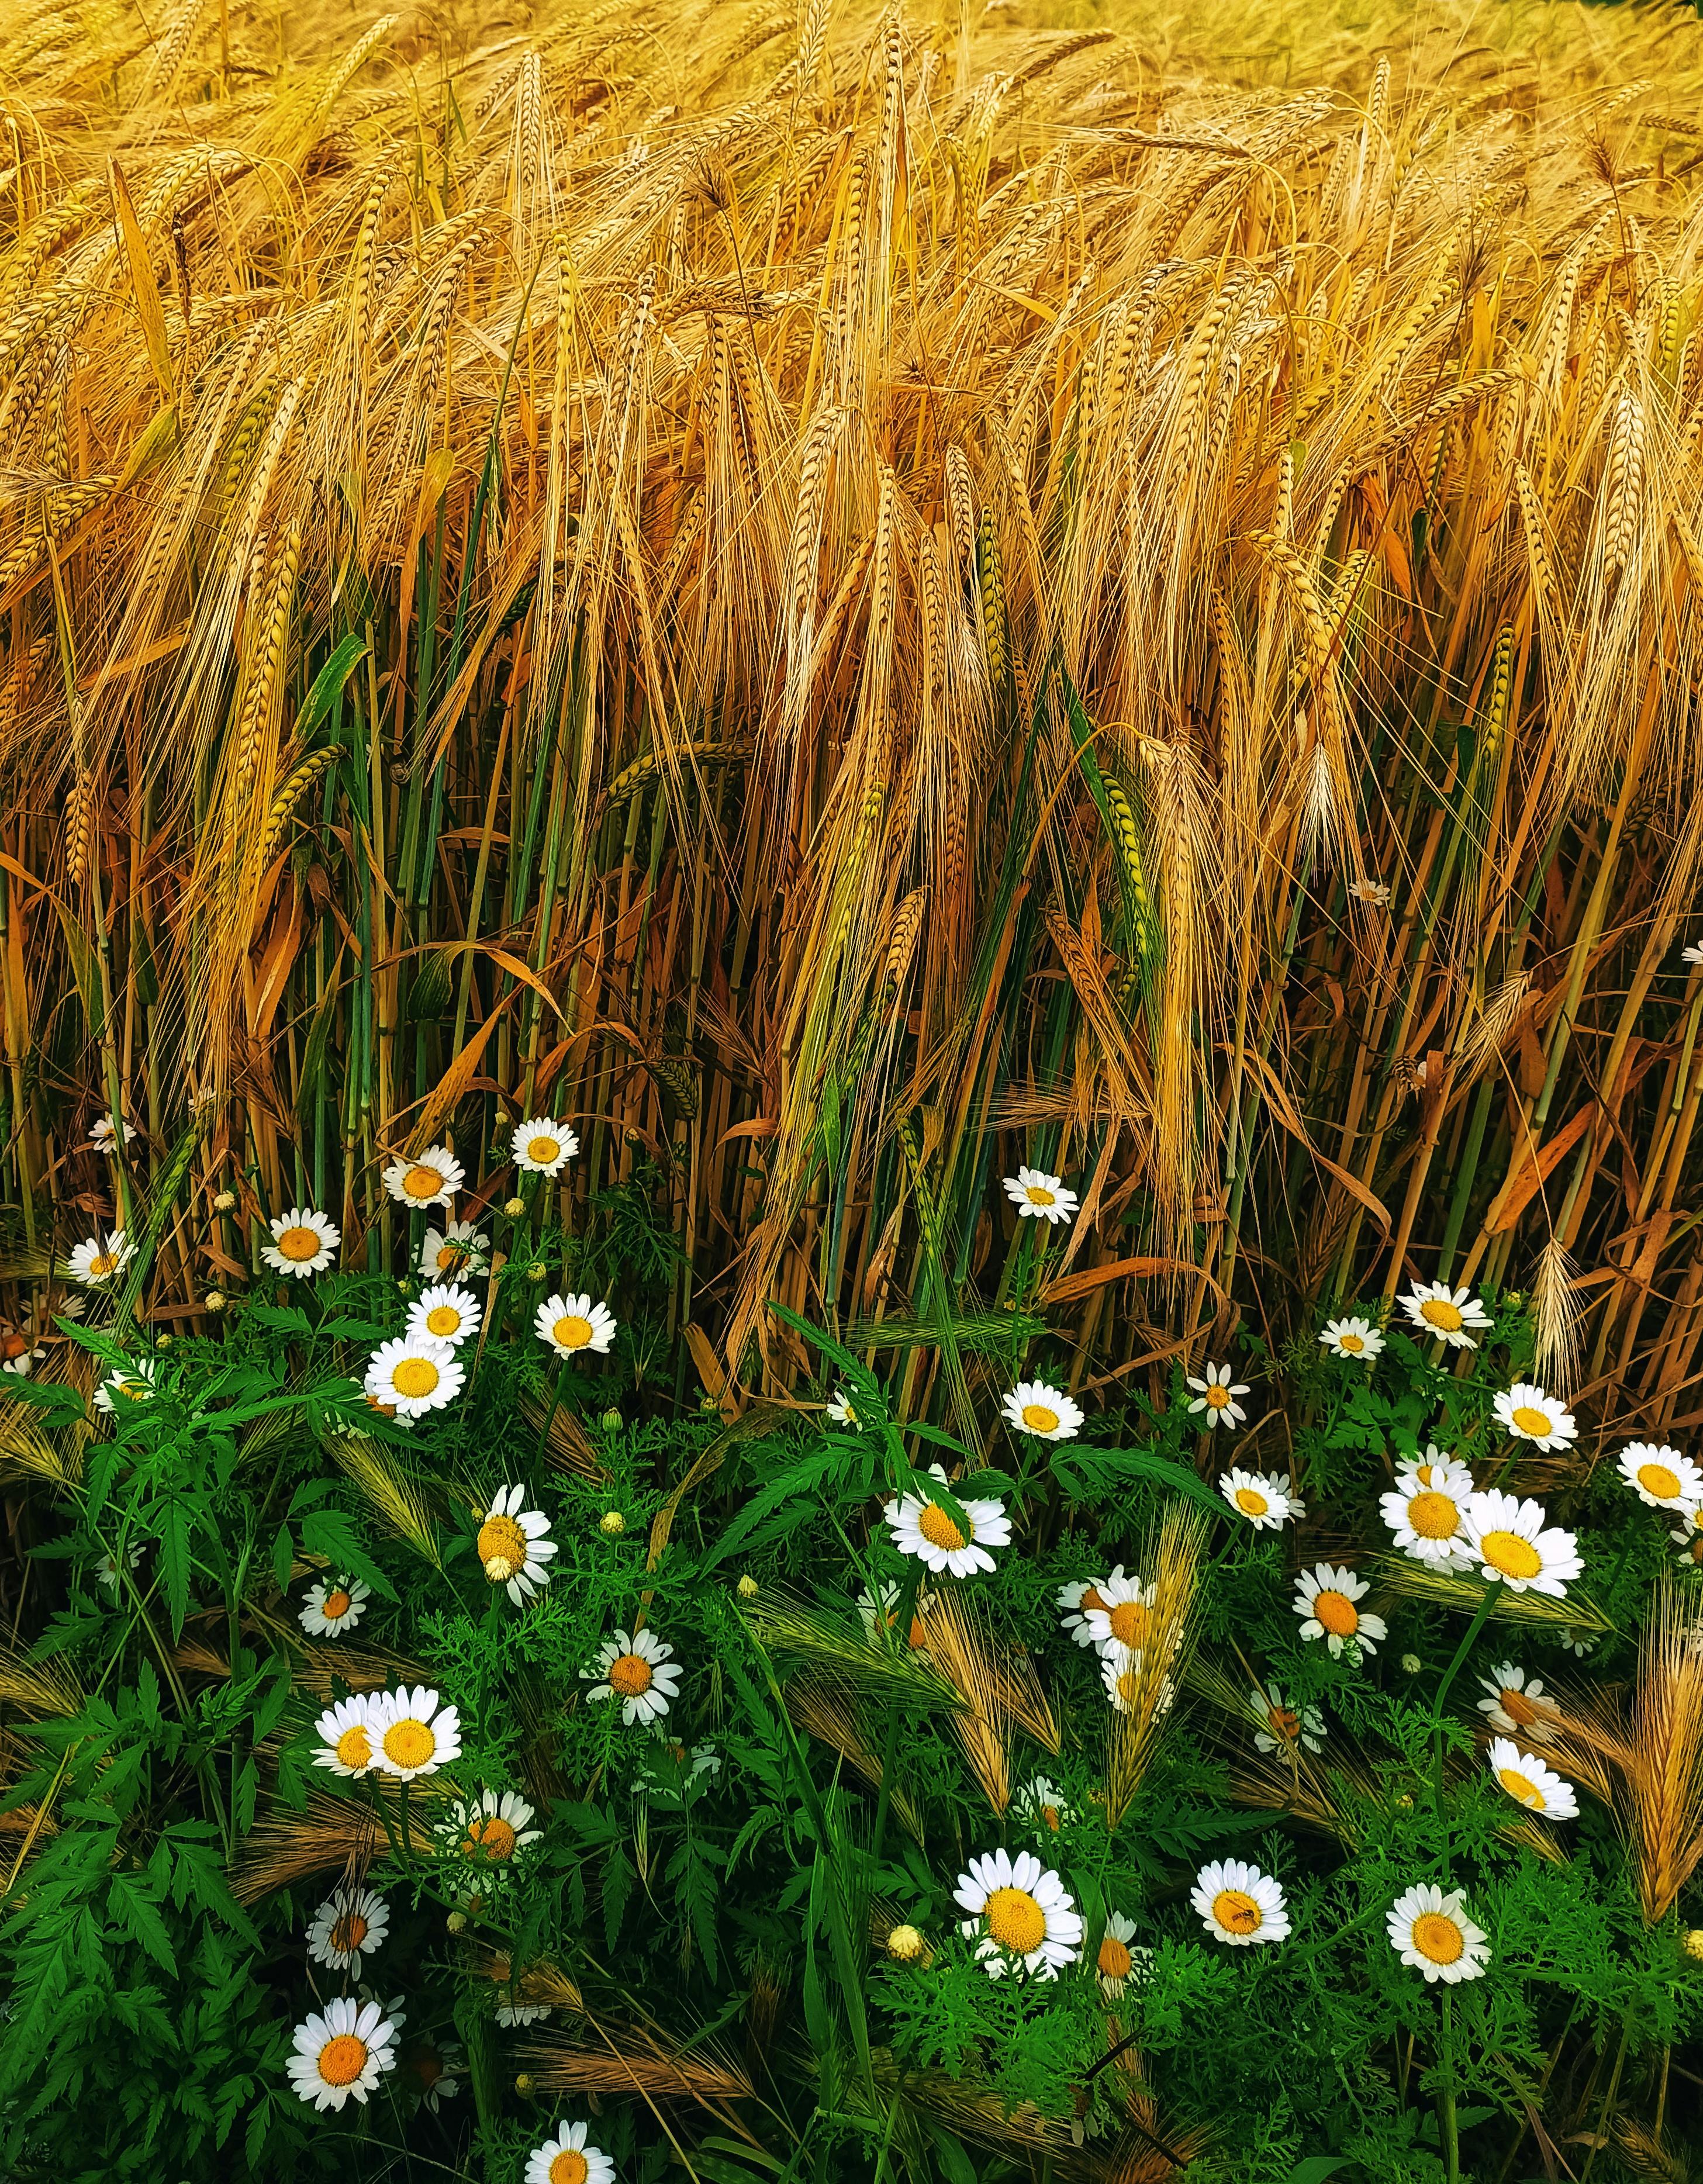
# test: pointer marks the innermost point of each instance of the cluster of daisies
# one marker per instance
(1020, 1917)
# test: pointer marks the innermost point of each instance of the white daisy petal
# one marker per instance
(1455, 1317)
(413, 1733)
(303, 1242)
(1216, 1394)
(1530, 1783)
(926, 1530)
(414, 1375)
(640, 1670)
(1353, 1338)
(1046, 1413)
(1427, 1511)
(1528, 1414)
(1327, 1597)
(341, 2052)
(453, 1251)
(430, 1179)
(98, 1261)
(1240, 1905)
(541, 1146)
(330, 1609)
(350, 1924)
(1259, 1498)
(1661, 1477)
(1510, 1539)
(446, 1312)
(1020, 1915)
(1517, 1704)
(570, 1323)
(1038, 1196)
(1431, 1931)
(515, 1544)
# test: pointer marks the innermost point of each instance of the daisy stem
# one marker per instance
(1492, 1593)
(907, 1610)
(1445, 2096)
(384, 1819)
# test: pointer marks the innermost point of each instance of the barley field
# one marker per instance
(743, 751)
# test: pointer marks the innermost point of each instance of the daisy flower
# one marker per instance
(1079, 1601)
(1239, 1904)
(641, 1671)
(348, 1925)
(514, 1544)
(1046, 1413)
(1122, 1682)
(135, 1384)
(511, 2013)
(1352, 1337)
(99, 1260)
(569, 2158)
(1508, 1539)
(570, 1324)
(1326, 1597)
(303, 1242)
(841, 1411)
(1661, 1476)
(542, 1147)
(1528, 1414)
(879, 1614)
(1217, 1396)
(341, 2052)
(1038, 1196)
(1280, 1727)
(1693, 953)
(17, 1357)
(413, 1733)
(925, 1530)
(1431, 1932)
(433, 1179)
(671, 1768)
(413, 1375)
(446, 1312)
(1041, 1804)
(1688, 1536)
(489, 1831)
(1427, 1511)
(451, 1249)
(329, 1610)
(103, 1135)
(348, 1737)
(1454, 1316)
(1117, 1964)
(1119, 1625)
(1257, 1496)
(1018, 1909)
(437, 2069)
(1518, 1705)
(1578, 1643)
(1530, 1783)
(1371, 891)
(107, 1569)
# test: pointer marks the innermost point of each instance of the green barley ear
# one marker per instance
(990, 576)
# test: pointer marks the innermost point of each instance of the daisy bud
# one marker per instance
(1411, 1664)
(747, 1587)
(904, 1945)
(224, 1201)
(457, 1922)
(216, 1300)
(525, 2085)
(163, 1342)
(611, 1421)
(1693, 1942)
(611, 1524)
(537, 1271)
(514, 1208)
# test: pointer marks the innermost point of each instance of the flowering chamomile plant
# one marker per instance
(962, 1740)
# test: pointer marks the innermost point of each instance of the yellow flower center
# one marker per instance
(937, 1528)
(1040, 1419)
(1126, 1686)
(1128, 1621)
(343, 2059)
(1016, 1921)
(502, 1548)
(299, 1244)
(1217, 1396)
(349, 1932)
(354, 1745)
(490, 1838)
(543, 1150)
(410, 1743)
(1433, 1516)
(422, 1182)
(568, 2168)
(571, 1332)
(1237, 1912)
(1437, 1936)
(1354, 1344)
(335, 1604)
(1657, 1479)
(1336, 1612)
(1519, 1787)
(414, 1377)
(630, 1673)
(443, 1320)
(451, 1258)
(1519, 1708)
(1438, 1312)
(1040, 1196)
(103, 1263)
(1511, 1555)
(1114, 1958)
(1531, 1420)
(1250, 1502)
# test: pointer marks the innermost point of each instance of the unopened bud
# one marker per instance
(525, 2085)
(537, 1271)
(612, 1524)
(1693, 1942)
(457, 1922)
(611, 1421)
(1411, 1664)
(905, 1945)
(216, 1300)
(747, 1587)
(514, 1208)
(224, 1201)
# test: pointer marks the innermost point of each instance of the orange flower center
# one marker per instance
(349, 1932)
(1016, 1921)
(1657, 1479)
(1128, 1621)
(1092, 1597)
(571, 1332)
(1114, 1958)
(335, 1604)
(937, 1528)
(103, 1263)
(1239, 1914)
(502, 1548)
(1519, 1708)
(1438, 1312)
(414, 1377)
(630, 1673)
(1337, 1613)
(343, 2059)
(1433, 1516)
(1284, 1723)
(410, 1743)
(1438, 1937)
(422, 1182)
(451, 1258)
(1519, 1787)
(1511, 1555)
(15, 1345)
(299, 1244)
(490, 1838)
(1217, 1396)
(569, 2167)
